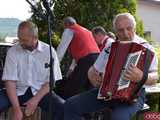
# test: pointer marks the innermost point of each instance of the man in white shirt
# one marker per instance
(82, 47)
(26, 78)
(124, 25)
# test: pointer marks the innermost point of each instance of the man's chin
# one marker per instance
(28, 48)
(126, 39)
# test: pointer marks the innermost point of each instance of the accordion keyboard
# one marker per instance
(131, 59)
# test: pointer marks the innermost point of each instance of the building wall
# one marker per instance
(149, 12)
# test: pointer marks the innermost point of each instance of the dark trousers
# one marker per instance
(78, 81)
(87, 102)
(57, 103)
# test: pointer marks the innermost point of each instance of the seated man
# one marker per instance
(26, 78)
(124, 25)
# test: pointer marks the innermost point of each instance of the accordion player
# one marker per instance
(121, 55)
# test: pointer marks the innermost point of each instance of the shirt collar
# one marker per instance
(138, 39)
(39, 46)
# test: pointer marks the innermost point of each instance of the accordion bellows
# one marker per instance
(121, 55)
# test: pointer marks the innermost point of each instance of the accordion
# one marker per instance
(121, 55)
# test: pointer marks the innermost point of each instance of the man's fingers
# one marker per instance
(25, 103)
(127, 75)
(28, 112)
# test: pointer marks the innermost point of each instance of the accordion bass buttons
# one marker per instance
(109, 93)
(143, 51)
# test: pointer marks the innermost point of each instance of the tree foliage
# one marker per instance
(88, 13)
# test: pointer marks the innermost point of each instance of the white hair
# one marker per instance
(126, 15)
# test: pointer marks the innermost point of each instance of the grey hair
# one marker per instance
(98, 29)
(126, 15)
(33, 29)
(69, 20)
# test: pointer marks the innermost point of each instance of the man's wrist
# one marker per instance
(37, 98)
(16, 107)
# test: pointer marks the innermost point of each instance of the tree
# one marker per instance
(88, 13)
(91, 13)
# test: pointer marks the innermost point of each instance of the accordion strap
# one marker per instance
(146, 67)
(145, 74)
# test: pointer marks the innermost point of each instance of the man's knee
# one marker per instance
(121, 115)
(53, 100)
(69, 106)
(4, 102)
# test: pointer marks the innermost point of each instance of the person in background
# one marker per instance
(26, 78)
(124, 25)
(82, 47)
(101, 37)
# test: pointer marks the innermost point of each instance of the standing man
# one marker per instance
(101, 37)
(83, 49)
(26, 78)
(124, 25)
